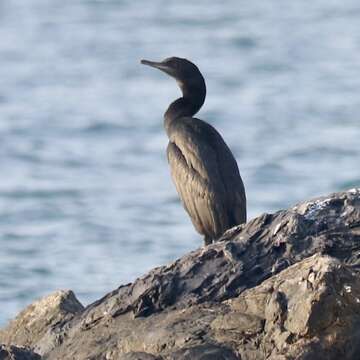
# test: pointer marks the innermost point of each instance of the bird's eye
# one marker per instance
(172, 63)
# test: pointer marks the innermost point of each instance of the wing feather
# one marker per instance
(206, 177)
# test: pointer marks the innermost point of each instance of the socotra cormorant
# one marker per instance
(203, 168)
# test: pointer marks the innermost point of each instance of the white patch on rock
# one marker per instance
(315, 207)
(278, 226)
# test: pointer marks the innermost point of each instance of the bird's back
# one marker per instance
(206, 176)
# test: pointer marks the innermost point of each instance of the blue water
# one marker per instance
(86, 200)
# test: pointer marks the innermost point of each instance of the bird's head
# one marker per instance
(182, 70)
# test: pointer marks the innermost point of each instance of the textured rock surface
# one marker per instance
(34, 325)
(17, 353)
(282, 286)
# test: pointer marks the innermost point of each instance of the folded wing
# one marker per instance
(206, 177)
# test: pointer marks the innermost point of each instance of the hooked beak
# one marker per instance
(158, 65)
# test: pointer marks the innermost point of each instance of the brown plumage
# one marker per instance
(202, 166)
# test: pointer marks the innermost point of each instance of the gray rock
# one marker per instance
(282, 286)
(310, 311)
(40, 323)
(17, 353)
(204, 352)
(138, 356)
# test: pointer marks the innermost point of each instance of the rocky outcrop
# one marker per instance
(34, 324)
(282, 286)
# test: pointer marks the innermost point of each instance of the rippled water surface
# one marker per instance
(86, 201)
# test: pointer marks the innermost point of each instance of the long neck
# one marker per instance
(188, 105)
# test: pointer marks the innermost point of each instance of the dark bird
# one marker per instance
(203, 168)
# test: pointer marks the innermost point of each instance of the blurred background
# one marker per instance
(86, 200)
